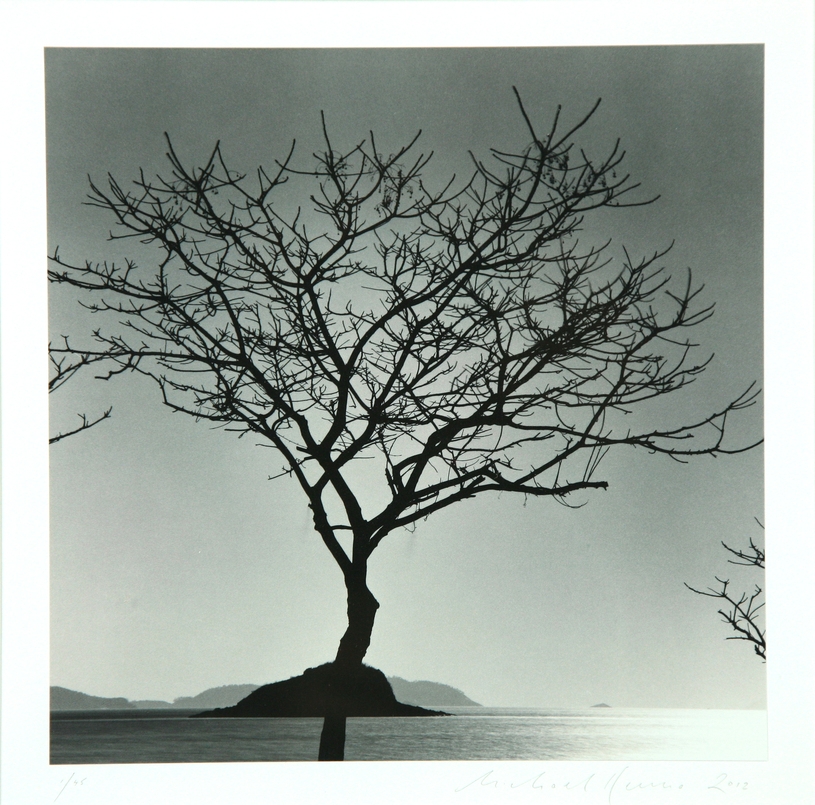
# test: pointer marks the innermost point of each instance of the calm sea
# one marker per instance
(482, 733)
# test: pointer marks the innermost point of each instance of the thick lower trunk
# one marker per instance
(354, 644)
(332, 739)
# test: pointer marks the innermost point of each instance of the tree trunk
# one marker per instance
(362, 607)
(354, 643)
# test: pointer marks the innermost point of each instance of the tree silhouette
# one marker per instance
(461, 339)
(742, 613)
(63, 368)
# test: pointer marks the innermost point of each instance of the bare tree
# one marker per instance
(460, 338)
(742, 613)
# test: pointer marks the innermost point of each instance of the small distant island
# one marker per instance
(421, 693)
(603, 704)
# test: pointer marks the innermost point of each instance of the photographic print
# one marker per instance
(406, 404)
(400, 400)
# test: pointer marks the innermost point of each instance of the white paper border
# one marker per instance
(786, 29)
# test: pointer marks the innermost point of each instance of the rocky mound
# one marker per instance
(326, 690)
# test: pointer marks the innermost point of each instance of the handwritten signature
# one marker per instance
(622, 781)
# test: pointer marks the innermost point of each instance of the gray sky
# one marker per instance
(177, 566)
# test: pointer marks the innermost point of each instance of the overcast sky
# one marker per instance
(177, 566)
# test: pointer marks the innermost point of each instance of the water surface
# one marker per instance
(471, 733)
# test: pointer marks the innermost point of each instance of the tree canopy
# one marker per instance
(470, 338)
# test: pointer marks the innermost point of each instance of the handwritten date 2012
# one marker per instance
(724, 784)
(602, 787)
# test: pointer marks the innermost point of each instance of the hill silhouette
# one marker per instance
(65, 699)
(420, 693)
(429, 694)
